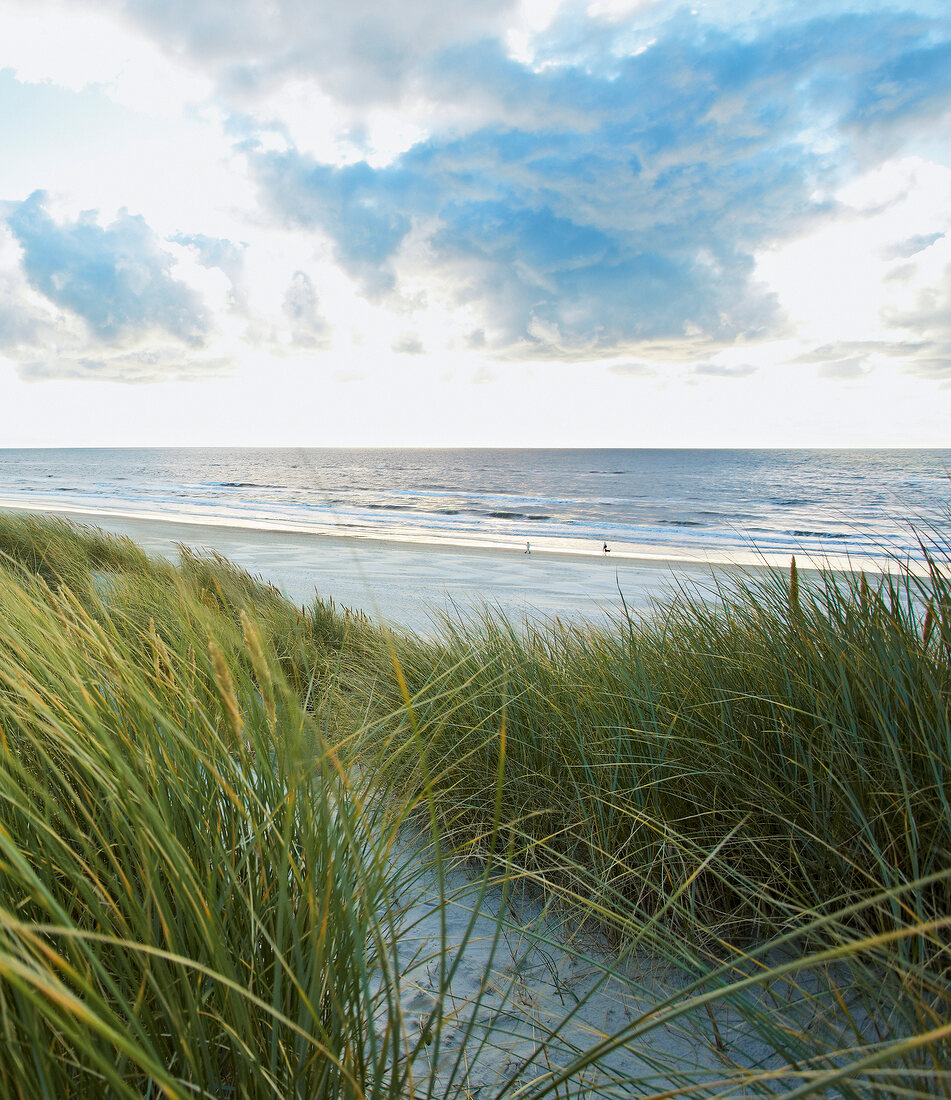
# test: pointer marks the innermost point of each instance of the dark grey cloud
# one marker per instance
(116, 278)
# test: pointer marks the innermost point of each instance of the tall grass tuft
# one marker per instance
(803, 732)
(187, 906)
(224, 818)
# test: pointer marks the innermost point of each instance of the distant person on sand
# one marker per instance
(528, 547)
(605, 549)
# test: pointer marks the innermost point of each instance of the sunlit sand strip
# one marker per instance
(406, 582)
(742, 553)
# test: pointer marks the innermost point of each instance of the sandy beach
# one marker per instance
(404, 583)
(530, 992)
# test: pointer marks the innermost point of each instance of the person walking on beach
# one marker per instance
(605, 549)
(528, 547)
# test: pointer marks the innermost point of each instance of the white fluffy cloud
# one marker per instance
(86, 300)
(634, 189)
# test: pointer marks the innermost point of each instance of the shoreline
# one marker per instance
(726, 557)
(406, 584)
(540, 543)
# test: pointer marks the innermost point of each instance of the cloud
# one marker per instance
(845, 370)
(364, 51)
(928, 357)
(929, 317)
(301, 308)
(364, 211)
(910, 83)
(570, 187)
(483, 375)
(79, 300)
(904, 250)
(225, 255)
(633, 370)
(117, 279)
(861, 349)
(56, 41)
(409, 344)
(157, 364)
(369, 52)
(608, 207)
(723, 370)
(936, 368)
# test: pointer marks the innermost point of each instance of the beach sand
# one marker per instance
(406, 583)
(513, 970)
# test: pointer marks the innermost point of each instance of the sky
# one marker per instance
(484, 223)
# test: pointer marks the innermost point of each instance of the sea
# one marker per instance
(681, 505)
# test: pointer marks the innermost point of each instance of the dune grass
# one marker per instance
(207, 797)
(807, 741)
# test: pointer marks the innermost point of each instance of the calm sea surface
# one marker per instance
(705, 505)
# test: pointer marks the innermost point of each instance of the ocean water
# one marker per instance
(690, 505)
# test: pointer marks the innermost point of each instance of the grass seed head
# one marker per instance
(252, 640)
(225, 686)
(928, 626)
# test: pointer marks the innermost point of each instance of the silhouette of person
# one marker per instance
(528, 547)
(605, 549)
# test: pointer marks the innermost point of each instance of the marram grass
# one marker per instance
(207, 800)
(809, 741)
